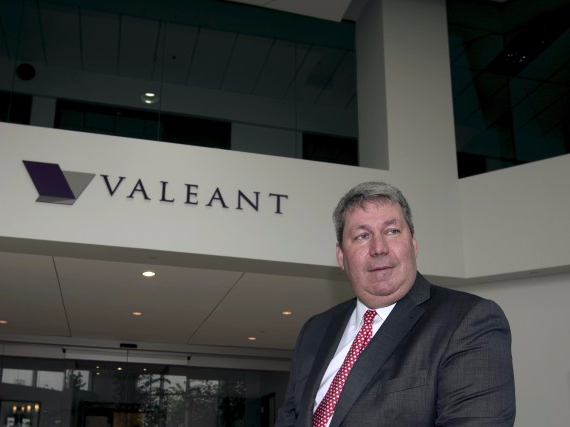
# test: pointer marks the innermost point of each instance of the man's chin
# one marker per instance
(382, 293)
(381, 275)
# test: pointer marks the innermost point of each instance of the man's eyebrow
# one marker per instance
(366, 226)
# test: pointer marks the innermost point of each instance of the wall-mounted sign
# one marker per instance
(55, 185)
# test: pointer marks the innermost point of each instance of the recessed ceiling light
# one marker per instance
(137, 313)
(252, 338)
(3, 322)
(149, 274)
(286, 313)
(149, 98)
(119, 369)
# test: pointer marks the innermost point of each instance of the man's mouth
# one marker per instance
(379, 268)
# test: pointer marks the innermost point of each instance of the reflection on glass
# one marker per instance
(96, 394)
(17, 376)
(509, 81)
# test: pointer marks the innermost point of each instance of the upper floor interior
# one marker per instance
(277, 80)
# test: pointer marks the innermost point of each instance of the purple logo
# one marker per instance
(55, 185)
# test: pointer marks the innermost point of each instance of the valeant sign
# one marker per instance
(55, 185)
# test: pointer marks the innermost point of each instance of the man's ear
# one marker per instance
(339, 255)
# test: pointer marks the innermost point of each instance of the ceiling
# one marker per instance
(50, 297)
(94, 299)
(216, 45)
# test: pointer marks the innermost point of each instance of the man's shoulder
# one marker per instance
(446, 292)
(437, 291)
(427, 294)
(457, 299)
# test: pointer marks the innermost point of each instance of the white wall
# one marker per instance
(516, 219)
(537, 308)
(371, 88)
(302, 235)
(405, 48)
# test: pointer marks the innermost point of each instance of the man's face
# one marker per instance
(378, 253)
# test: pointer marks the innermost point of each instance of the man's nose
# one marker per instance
(378, 246)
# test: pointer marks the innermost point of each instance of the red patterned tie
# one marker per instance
(326, 407)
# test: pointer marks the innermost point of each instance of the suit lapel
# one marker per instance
(402, 318)
(331, 339)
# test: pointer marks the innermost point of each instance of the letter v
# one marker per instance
(112, 190)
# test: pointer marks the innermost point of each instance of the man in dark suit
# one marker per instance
(437, 357)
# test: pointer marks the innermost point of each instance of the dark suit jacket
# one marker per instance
(442, 358)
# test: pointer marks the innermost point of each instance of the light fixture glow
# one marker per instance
(286, 313)
(137, 313)
(252, 338)
(149, 274)
(149, 98)
(3, 322)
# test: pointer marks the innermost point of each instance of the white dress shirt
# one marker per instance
(352, 328)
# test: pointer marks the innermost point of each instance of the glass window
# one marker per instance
(111, 120)
(51, 380)
(330, 149)
(510, 69)
(15, 108)
(18, 376)
(77, 379)
(82, 393)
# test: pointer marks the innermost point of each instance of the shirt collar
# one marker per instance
(382, 312)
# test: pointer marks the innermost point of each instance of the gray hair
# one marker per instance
(375, 192)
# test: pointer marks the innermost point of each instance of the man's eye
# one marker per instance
(392, 231)
(362, 236)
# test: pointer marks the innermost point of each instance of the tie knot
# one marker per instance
(369, 317)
